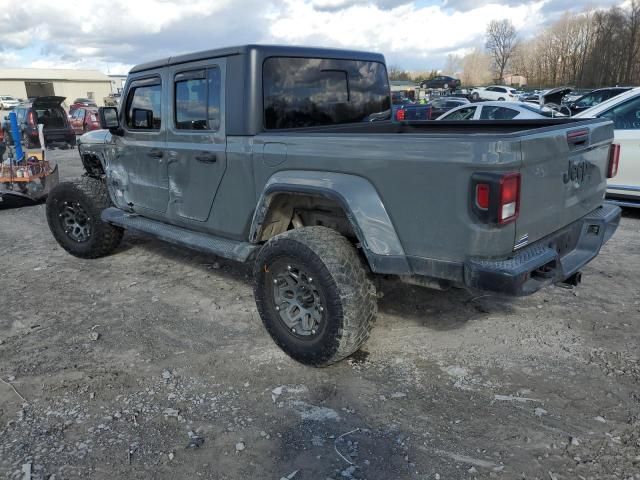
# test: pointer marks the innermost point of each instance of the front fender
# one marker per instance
(361, 203)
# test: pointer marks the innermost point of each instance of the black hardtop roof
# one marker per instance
(265, 50)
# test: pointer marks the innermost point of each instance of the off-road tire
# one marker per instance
(91, 195)
(347, 293)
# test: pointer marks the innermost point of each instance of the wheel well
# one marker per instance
(92, 165)
(287, 211)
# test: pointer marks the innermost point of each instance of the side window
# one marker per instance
(191, 101)
(462, 114)
(20, 114)
(143, 107)
(625, 116)
(309, 92)
(197, 100)
(490, 89)
(501, 90)
(497, 113)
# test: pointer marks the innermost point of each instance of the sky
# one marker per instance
(114, 35)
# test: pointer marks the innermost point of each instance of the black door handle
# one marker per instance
(155, 153)
(207, 157)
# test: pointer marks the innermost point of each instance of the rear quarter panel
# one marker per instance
(422, 180)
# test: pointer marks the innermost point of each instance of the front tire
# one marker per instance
(475, 96)
(73, 214)
(314, 295)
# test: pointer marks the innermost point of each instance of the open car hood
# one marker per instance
(554, 95)
(47, 102)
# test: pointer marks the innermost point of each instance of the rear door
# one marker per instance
(563, 176)
(196, 141)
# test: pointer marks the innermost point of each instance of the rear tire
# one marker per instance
(314, 295)
(501, 99)
(73, 214)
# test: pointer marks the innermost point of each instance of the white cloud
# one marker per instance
(121, 33)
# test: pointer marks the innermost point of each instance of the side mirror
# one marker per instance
(108, 117)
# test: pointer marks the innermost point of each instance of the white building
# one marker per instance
(37, 82)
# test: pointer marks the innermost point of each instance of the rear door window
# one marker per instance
(462, 114)
(197, 100)
(497, 113)
(308, 92)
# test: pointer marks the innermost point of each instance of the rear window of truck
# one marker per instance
(310, 92)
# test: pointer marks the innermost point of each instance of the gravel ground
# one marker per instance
(153, 363)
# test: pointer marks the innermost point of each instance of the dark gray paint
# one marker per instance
(405, 188)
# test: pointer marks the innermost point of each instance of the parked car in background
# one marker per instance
(7, 102)
(81, 102)
(112, 100)
(575, 94)
(84, 120)
(494, 92)
(500, 111)
(440, 106)
(530, 97)
(411, 112)
(441, 81)
(624, 111)
(49, 112)
(594, 98)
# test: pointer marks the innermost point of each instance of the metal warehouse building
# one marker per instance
(37, 82)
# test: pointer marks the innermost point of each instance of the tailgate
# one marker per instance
(564, 176)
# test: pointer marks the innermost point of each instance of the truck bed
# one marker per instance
(445, 127)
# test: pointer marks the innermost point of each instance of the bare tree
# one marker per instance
(396, 73)
(476, 68)
(453, 65)
(501, 43)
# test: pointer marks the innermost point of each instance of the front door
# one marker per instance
(141, 149)
(196, 144)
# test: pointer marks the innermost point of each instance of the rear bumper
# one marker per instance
(552, 259)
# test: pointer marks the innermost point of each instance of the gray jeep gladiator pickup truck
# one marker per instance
(284, 156)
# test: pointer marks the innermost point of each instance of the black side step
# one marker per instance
(239, 251)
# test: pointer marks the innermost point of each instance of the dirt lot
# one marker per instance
(152, 363)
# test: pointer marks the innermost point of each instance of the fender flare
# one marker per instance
(361, 203)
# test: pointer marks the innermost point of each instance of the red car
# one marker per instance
(84, 119)
(81, 103)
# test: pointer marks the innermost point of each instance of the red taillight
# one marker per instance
(614, 160)
(400, 114)
(482, 195)
(31, 119)
(509, 205)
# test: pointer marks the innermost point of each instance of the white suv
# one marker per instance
(494, 92)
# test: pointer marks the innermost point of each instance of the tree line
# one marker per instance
(594, 48)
